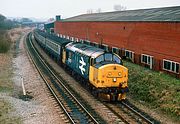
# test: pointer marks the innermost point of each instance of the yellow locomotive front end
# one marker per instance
(109, 77)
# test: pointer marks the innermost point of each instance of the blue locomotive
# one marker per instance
(101, 71)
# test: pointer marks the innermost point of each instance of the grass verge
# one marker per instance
(6, 84)
(155, 89)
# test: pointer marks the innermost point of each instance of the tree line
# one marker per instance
(6, 24)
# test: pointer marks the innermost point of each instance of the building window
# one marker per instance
(81, 40)
(67, 37)
(129, 54)
(76, 39)
(146, 59)
(72, 38)
(115, 50)
(61, 35)
(64, 36)
(170, 66)
(105, 47)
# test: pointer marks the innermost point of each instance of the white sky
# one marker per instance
(69, 8)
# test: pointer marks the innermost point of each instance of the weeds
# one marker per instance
(4, 114)
(4, 42)
(156, 89)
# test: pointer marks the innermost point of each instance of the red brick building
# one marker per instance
(149, 37)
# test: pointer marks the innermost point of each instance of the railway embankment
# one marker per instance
(7, 42)
(15, 65)
(158, 91)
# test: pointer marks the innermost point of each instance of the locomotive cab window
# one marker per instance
(116, 59)
(100, 59)
(108, 57)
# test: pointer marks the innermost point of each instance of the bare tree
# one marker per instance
(99, 10)
(119, 7)
(89, 11)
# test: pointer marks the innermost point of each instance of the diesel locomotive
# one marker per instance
(102, 72)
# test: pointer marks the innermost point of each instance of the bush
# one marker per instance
(4, 42)
(156, 89)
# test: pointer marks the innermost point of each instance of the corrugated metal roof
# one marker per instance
(154, 14)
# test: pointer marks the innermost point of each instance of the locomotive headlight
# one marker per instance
(119, 73)
(114, 79)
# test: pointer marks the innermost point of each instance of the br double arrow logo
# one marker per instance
(81, 67)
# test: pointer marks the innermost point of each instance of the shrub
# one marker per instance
(4, 42)
(156, 89)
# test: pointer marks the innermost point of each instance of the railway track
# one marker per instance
(125, 111)
(130, 114)
(74, 111)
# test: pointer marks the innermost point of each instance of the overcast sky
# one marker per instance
(69, 8)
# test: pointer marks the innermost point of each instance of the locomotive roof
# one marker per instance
(85, 49)
(56, 39)
(166, 14)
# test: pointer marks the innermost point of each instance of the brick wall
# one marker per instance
(158, 39)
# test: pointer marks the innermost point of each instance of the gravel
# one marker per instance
(103, 111)
(96, 105)
(41, 108)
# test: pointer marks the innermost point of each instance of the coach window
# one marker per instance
(171, 66)
(69, 56)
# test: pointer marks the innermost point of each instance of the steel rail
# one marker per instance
(118, 115)
(60, 81)
(137, 113)
(49, 87)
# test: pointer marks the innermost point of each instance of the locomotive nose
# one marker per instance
(113, 75)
